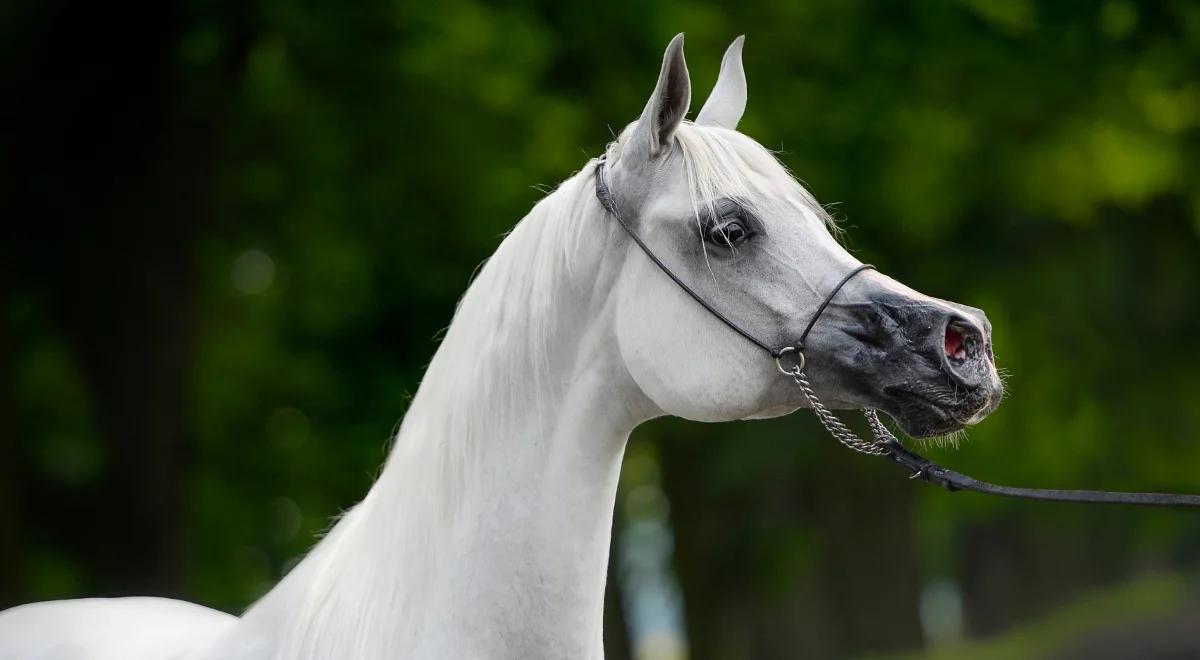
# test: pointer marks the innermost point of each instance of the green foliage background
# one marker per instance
(239, 228)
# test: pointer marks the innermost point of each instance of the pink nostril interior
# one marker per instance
(955, 346)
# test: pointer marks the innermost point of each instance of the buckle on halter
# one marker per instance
(797, 356)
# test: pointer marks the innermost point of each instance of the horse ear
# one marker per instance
(727, 101)
(669, 103)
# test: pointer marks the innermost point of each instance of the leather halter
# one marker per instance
(885, 444)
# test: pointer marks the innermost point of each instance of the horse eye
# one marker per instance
(727, 234)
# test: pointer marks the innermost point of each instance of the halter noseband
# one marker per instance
(884, 443)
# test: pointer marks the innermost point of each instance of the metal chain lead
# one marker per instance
(882, 434)
(836, 428)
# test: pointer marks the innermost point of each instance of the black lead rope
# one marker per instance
(926, 470)
(885, 443)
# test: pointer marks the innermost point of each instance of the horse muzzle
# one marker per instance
(927, 363)
(952, 380)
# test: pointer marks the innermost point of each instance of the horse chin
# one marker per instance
(921, 417)
(928, 429)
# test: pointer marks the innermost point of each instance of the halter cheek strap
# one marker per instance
(884, 443)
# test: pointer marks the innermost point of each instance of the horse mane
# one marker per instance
(369, 576)
(492, 361)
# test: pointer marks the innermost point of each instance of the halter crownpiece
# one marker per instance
(884, 443)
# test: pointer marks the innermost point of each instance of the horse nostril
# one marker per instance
(956, 343)
(962, 341)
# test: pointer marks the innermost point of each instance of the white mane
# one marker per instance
(493, 361)
(492, 357)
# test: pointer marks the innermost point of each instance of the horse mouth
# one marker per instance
(932, 414)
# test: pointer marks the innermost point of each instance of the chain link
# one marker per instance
(882, 434)
(840, 431)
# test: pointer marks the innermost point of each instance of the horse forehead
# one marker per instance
(667, 192)
(670, 198)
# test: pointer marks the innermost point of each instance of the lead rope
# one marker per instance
(919, 467)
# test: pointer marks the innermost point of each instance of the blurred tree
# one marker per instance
(115, 179)
(12, 537)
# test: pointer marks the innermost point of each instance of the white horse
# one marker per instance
(487, 534)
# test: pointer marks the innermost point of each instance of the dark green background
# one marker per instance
(233, 231)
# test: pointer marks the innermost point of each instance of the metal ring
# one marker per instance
(794, 371)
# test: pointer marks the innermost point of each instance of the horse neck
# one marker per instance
(489, 528)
